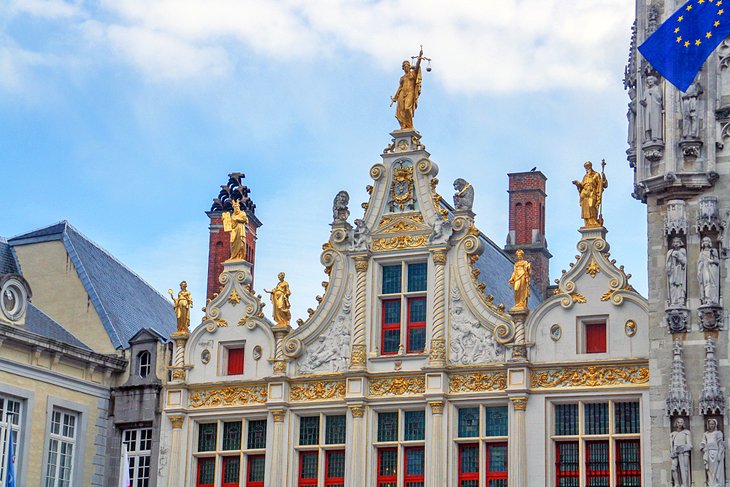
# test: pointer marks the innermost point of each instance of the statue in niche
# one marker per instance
(360, 236)
(520, 280)
(677, 274)
(441, 233)
(690, 122)
(679, 451)
(464, 197)
(330, 351)
(471, 343)
(182, 305)
(708, 273)
(235, 224)
(713, 454)
(631, 116)
(653, 103)
(590, 193)
(409, 89)
(280, 301)
(340, 212)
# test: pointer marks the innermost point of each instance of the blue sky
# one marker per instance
(124, 117)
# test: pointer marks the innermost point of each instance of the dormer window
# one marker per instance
(403, 307)
(144, 364)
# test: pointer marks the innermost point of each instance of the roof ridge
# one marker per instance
(44, 227)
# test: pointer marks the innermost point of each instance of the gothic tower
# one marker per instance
(682, 173)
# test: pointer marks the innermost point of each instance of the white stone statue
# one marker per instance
(725, 234)
(340, 212)
(471, 343)
(713, 454)
(653, 103)
(330, 352)
(360, 236)
(679, 451)
(708, 273)
(441, 232)
(690, 123)
(677, 274)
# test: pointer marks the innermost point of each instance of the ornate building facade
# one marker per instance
(415, 369)
(681, 167)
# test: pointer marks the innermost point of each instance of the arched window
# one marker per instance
(144, 363)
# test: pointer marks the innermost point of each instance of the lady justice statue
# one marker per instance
(520, 280)
(235, 224)
(182, 305)
(408, 91)
(590, 191)
(280, 301)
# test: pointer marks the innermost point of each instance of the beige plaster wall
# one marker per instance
(58, 292)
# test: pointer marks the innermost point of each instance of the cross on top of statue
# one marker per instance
(409, 89)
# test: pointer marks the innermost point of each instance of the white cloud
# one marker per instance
(49, 9)
(17, 65)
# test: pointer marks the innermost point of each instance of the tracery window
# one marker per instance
(321, 450)
(400, 442)
(231, 451)
(403, 307)
(597, 444)
(481, 442)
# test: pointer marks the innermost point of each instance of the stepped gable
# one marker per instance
(123, 301)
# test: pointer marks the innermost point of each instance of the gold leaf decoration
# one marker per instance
(234, 298)
(399, 242)
(577, 297)
(220, 322)
(590, 376)
(398, 386)
(478, 382)
(228, 396)
(593, 269)
(317, 390)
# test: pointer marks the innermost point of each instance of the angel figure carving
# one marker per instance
(235, 224)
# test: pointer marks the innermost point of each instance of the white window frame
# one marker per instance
(14, 420)
(481, 438)
(138, 442)
(144, 365)
(60, 439)
(401, 443)
(582, 342)
(321, 447)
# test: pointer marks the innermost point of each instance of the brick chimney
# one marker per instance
(527, 224)
(219, 249)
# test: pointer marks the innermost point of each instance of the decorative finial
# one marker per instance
(409, 89)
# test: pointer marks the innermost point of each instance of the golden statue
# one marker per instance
(408, 91)
(591, 195)
(280, 300)
(182, 305)
(235, 224)
(520, 280)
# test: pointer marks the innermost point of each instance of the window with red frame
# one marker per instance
(598, 471)
(403, 288)
(496, 472)
(231, 471)
(206, 472)
(334, 468)
(387, 467)
(235, 361)
(308, 465)
(255, 471)
(595, 334)
(567, 464)
(628, 463)
(469, 465)
(414, 465)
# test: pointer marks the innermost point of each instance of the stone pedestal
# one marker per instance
(519, 346)
(357, 452)
(517, 443)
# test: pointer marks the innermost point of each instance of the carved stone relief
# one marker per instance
(330, 352)
(679, 402)
(360, 236)
(675, 221)
(712, 400)
(441, 233)
(471, 343)
(676, 267)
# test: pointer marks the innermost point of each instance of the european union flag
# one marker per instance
(679, 47)
(10, 475)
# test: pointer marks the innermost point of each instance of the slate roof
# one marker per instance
(8, 264)
(124, 302)
(36, 321)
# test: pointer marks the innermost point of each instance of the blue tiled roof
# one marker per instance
(36, 321)
(124, 302)
(496, 268)
(8, 264)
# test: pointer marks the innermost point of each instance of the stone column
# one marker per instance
(176, 454)
(358, 353)
(437, 461)
(357, 449)
(518, 443)
(519, 345)
(280, 333)
(278, 450)
(178, 366)
(437, 357)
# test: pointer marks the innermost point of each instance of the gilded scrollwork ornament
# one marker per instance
(478, 382)
(317, 390)
(228, 396)
(398, 386)
(589, 376)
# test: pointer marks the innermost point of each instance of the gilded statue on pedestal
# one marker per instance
(280, 301)
(520, 280)
(406, 97)
(182, 305)
(590, 191)
(235, 224)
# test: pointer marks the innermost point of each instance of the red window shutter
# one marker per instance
(595, 337)
(235, 361)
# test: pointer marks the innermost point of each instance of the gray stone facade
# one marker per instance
(686, 166)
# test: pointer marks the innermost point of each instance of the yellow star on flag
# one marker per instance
(698, 42)
(677, 30)
(681, 18)
(689, 7)
(679, 39)
(717, 22)
(686, 43)
(708, 35)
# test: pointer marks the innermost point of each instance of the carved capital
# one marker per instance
(361, 263)
(178, 373)
(438, 350)
(280, 367)
(177, 421)
(357, 357)
(519, 403)
(357, 411)
(437, 407)
(439, 257)
(279, 415)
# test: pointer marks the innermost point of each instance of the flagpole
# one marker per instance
(603, 179)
